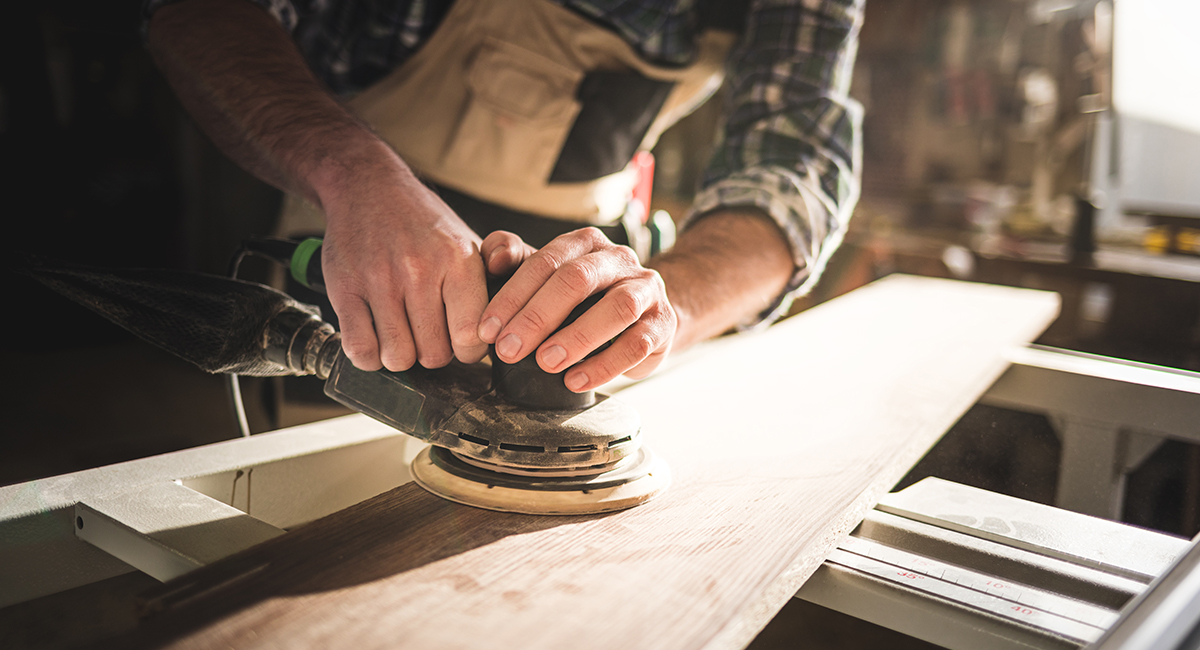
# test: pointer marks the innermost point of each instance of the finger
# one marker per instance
(465, 296)
(358, 331)
(533, 273)
(503, 252)
(621, 306)
(427, 317)
(570, 285)
(649, 364)
(397, 351)
(631, 348)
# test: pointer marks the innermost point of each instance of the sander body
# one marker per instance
(508, 437)
(569, 453)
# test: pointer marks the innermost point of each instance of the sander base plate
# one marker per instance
(630, 483)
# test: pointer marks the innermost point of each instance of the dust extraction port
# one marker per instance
(477, 440)
(570, 448)
(508, 446)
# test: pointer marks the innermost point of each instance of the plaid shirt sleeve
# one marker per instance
(791, 144)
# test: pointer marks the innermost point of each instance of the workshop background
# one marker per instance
(992, 152)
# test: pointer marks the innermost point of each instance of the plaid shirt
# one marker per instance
(790, 143)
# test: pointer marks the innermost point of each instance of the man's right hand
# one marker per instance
(403, 272)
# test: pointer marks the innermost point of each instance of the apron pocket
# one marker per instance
(520, 108)
(618, 109)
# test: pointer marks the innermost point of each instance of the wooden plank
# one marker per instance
(779, 442)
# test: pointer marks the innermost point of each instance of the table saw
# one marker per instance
(784, 444)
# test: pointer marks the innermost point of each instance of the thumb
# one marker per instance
(503, 252)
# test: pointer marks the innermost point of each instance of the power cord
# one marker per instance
(231, 381)
(303, 259)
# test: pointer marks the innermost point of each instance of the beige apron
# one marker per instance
(485, 106)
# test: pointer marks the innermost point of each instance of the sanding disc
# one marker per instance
(628, 484)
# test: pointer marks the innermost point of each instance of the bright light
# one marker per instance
(1156, 67)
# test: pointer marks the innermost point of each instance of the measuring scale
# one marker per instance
(966, 568)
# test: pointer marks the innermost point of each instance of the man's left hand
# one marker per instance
(551, 282)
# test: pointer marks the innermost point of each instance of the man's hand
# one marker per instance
(402, 270)
(404, 274)
(551, 282)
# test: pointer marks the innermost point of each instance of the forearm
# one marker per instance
(725, 269)
(791, 145)
(403, 272)
(240, 76)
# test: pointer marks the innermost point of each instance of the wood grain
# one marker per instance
(779, 442)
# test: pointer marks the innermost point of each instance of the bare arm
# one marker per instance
(403, 272)
(727, 268)
(241, 77)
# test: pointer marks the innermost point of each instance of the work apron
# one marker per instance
(523, 111)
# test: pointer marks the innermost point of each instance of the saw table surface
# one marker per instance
(779, 443)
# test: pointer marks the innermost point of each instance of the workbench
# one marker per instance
(779, 442)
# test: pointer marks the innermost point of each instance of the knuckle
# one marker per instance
(390, 335)
(493, 238)
(603, 370)
(640, 346)
(585, 234)
(464, 335)
(628, 304)
(654, 278)
(344, 290)
(643, 369)
(504, 307)
(464, 251)
(577, 341)
(594, 235)
(363, 356)
(546, 262)
(504, 238)
(375, 275)
(414, 269)
(626, 255)
(358, 342)
(670, 319)
(358, 350)
(533, 319)
(579, 278)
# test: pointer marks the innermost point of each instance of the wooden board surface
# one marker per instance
(779, 442)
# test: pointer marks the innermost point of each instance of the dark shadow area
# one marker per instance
(72, 618)
(995, 449)
(801, 624)
(103, 167)
(1017, 454)
(1164, 492)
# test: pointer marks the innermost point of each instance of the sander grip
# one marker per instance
(525, 384)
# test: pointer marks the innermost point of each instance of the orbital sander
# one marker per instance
(507, 437)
